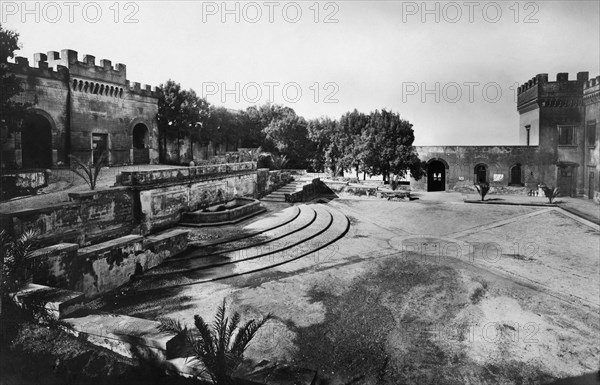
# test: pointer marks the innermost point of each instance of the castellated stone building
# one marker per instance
(559, 145)
(82, 109)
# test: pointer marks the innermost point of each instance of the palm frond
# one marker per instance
(170, 325)
(245, 335)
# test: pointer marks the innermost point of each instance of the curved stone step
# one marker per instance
(320, 223)
(305, 218)
(336, 226)
(265, 224)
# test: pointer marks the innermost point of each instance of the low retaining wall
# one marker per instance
(368, 190)
(308, 192)
(181, 174)
(100, 268)
(162, 207)
(248, 207)
(90, 217)
(22, 183)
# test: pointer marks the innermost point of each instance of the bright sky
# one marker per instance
(329, 57)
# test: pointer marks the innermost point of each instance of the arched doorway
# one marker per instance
(436, 176)
(141, 154)
(515, 175)
(36, 142)
(481, 173)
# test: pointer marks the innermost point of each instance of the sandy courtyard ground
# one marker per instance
(430, 291)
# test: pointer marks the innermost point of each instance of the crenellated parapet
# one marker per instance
(540, 92)
(145, 90)
(591, 91)
(83, 76)
(21, 66)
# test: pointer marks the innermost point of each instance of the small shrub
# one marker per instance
(89, 172)
(279, 161)
(13, 261)
(550, 192)
(220, 347)
(482, 188)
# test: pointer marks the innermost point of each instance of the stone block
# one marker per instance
(127, 336)
(56, 302)
(271, 373)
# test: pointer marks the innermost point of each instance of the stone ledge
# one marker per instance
(127, 336)
(53, 250)
(57, 302)
(272, 373)
(110, 245)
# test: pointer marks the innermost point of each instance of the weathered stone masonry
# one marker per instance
(559, 145)
(82, 109)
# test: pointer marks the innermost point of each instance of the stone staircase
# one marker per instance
(279, 195)
(296, 232)
(267, 245)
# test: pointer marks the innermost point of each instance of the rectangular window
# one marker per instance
(566, 135)
(591, 133)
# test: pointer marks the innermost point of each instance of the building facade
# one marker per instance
(82, 109)
(559, 145)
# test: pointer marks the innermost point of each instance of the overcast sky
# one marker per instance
(326, 58)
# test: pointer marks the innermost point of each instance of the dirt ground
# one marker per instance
(423, 292)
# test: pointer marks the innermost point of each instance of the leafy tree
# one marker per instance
(181, 114)
(288, 133)
(386, 146)
(322, 132)
(220, 347)
(224, 126)
(12, 112)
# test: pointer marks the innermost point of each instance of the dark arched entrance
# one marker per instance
(139, 139)
(515, 175)
(36, 142)
(481, 174)
(436, 176)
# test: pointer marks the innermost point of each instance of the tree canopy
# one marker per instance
(11, 112)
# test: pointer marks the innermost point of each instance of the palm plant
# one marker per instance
(550, 192)
(279, 161)
(13, 264)
(253, 155)
(482, 188)
(88, 171)
(220, 347)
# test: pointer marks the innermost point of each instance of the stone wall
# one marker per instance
(146, 202)
(269, 181)
(90, 217)
(537, 166)
(21, 183)
(103, 267)
(162, 206)
(75, 103)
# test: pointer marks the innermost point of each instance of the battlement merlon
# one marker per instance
(591, 91)
(66, 66)
(145, 90)
(562, 77)
(592, 83)
(560, 92)
(21, 67)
